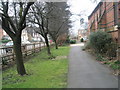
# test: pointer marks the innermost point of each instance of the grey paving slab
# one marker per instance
(86, 72)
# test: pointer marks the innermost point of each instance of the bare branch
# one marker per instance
(10, 21)
(22, 19)
(5, 26)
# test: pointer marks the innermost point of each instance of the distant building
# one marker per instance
(82, 33)
(29, 34)
(2, 32)
(104, 17)
(33, 35)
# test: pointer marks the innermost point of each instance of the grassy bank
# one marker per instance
(43, 72)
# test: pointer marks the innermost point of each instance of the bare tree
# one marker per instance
(39, 17)
(13, 22)
(51, 18)
(59, 20)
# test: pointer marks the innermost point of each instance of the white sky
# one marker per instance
(84, 7)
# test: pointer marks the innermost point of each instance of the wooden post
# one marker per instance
(26, 49)
(40, 46)
(34, 47)
(13, 54)
(44, 45)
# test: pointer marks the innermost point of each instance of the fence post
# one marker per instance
(39, 46)
(34, 47)
(25, 49)
(44, 45)
(13, 53)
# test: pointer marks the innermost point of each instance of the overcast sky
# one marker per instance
(84, 7)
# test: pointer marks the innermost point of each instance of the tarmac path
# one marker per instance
(86, 72)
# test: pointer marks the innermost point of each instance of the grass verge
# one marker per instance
(43, 72)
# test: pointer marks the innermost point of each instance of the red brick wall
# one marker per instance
(106, 21)
(109, 15)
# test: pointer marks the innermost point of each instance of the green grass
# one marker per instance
(42, 72)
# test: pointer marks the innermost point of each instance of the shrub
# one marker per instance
(72, 41)
(4, 62)
(111, 49)
(82, 40)
(100, 40)
(5, 41)
(67, 40)
(100, 57)
(115, 65)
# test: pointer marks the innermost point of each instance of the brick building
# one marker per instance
(105, 17)
(82, 33)
(2, 32)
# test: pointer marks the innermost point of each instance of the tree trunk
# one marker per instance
(19, 57)
(47, 44)
(56, 45)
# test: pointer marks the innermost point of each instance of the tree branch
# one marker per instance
(11, 22)
(22, 19)
(14, 4)
(5, 26)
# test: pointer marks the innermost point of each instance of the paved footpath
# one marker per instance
(85, 72)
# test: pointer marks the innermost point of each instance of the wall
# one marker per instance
(103, 18)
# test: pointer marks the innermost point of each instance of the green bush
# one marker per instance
(82, 40)
(67, 40)
(100, 40)
(4, 62)
(111, 49)
(5, 41)
(115, 65)
(72, 41)
(100, 57)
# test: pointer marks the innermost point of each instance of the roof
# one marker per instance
(96, 8)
